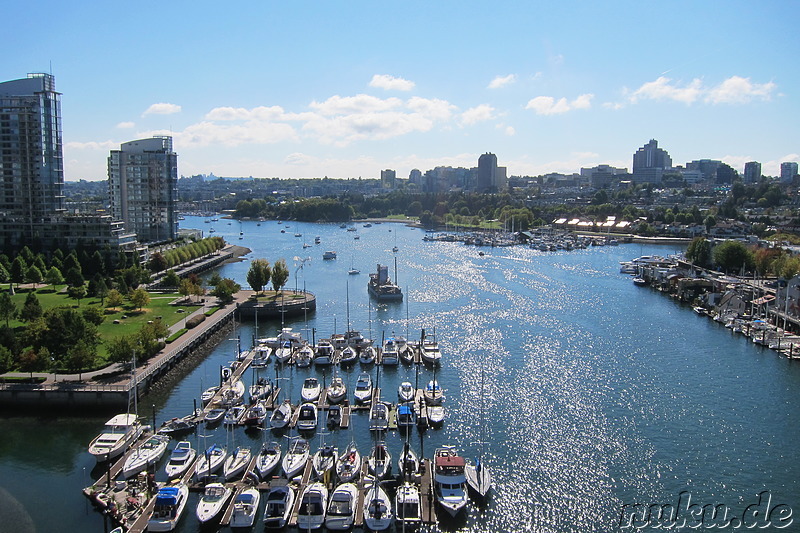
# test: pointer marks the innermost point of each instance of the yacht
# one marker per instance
(211, 503)
(145, 455)
(311, 514)
(342, 508)
(296, 458)
(236, 462)
(180, 459)
(323, 354)
(377, 508)
(324, 460)
(280, 501)
(405, 392)
(169, 505)
(349, 464)
(408, 506)
(117, 436)
(245, 508)
(379, 461)
(449, 480)
(281, 416)
(378, 417)
(311, 390)
(363, 391)
(211, 461)
(268, 459)
(389, 353)
(337, 390)
(307, 418)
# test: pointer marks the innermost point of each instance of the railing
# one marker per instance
(62, 387)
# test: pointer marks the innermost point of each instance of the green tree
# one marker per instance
(732, 256)
(139, 298)
(33, 275)
(77, 292)
(121, 349)
(280, 274)
(18, 269)
(31, 309)
(74, 277)
(31, 361)
(171, 279)
(225, 290)
(6, 360)
(259, 274)
(699, 252)
(157, 262)
(54, 276)
(8, 309)
(80, 357)
(94, 315)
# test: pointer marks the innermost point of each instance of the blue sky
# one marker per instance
(347, 88)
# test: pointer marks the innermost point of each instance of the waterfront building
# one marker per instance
(142, 182)
(788, 171)
(650, 162)
(752, 172)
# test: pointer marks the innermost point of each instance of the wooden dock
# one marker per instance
(426, 494)
(344, 423)
(298, 499)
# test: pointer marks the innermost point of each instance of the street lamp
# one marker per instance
(299, 264)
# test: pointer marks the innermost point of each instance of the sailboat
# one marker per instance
(479, 479)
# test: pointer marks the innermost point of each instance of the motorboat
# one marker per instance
(356, 339)
(261, 356)
(255, 414)
(405, 392)
(233, 415)
(245, 508)
(281, 415)
(329, 254)
(268, 459)
(381, 287)
(232, 394)
(436, 415)
(337, 391)
(334, 417)
(304, 356)
(180, 459)
(479, 479)
(406, 354)
(280, 501)
(408, 506)
(296, 458)
(406, 417)
(367, 355)
(339, 341)
(169, 506)
(389, 354)
(348, 356)
(311, 390)
(408, 462)
(311, 513)
(430, 352)
(449, 479)
(117, 436)
(323, 354)
(260, 389)
(363, 391)
(284, 352)
(377, 508)
(348, 466)
(324, 460)
(433, 393)
(379, 460)
(145, 455)
(286, 334)
(378, 417)
(208, 394)
(215, 497)
(307, 418)
(342, 508)
(236, 462)
(180, 425)
(210, 461)
(214, 416)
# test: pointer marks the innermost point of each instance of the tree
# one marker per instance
(80, 357)
(30, 361)
(74, 277)
(121, 349)
(185, 288)
(6, 360)
(54, 276)
(31, 310)
(699, 251)
(171, 279)
(259, 274)
(5, 277)
(279, 274)
(114, 298)
(77, 292)
(732, 255)
(139, 298)
(225, 290)
(710, 222)
(8, 309)
(33, 275)
(214, 279)
(157, 262)
(18, 269)
(94, 315)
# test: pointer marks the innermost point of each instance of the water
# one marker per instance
(597, 393)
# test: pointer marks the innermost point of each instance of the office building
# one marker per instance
(490, 177)
(388, 178)
(752, 172)
(602, 176)
(142, 181)
(650, 162)
(788, 171)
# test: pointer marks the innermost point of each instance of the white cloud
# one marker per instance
(738, 90)
(360, 103)
(391, 83)
(162, 109)
(663, 89)
(477, 114)
(240, 113)
(508, 130)
(126, 125)
(432, 107)
(502, 81)
(547, 105)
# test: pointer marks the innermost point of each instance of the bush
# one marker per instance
(211, 311)
(194, 321)
(176, 335)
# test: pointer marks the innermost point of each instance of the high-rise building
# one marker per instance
(649, 163)
(388, 178)
(487, 173)
(752, 172)
(708, 167)
(788, 171)
(142, 181)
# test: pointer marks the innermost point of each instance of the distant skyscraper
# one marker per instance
(752, 172)
(487, 173)
(707, 166)
(415, 176)
(388, 178)
(788, 171)
(142, 181)
(649, 163)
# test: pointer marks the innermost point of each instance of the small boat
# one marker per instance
(406, 354)
(117, 436)
(317, 240)
(436, 415)
(354, 271)
(342, 508)
(406, 417)
(180, 459)
(323, 354)
(236, 462)
(245, 508)
(280, 501)
(180, 426)
(433, 393)
(268, 459)
(233, 415)
(255, 414)
(211, 461)
(214, 416)
(639, 281)
(284, 352)
(334, 418)
(295, 459)
(260, 389)
(367, 355)
(311, 390)
(169, 505)
(145, 455)
(377, 508)
(363, 391)
(307, 418)
(378, 417)
(389, 354)
(281, 416)
(405, 392)
(330, 254)
(324, 460)
(479, 479)
(449, 479)
(348, 356)
(379, 460)
(233, 393)
(349, 464)
(430, 352)
(261, 356)
(337, 390)
(311, 514)
(408, 506)
(408, 462)
(304, 356)
(211, 503)
(208, 394)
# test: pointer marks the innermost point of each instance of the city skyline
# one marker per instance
(346, 90)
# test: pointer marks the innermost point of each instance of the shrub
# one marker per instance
(193, 322)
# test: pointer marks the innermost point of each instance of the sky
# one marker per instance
(343, 89)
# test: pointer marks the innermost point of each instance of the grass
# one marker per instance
(176, 335)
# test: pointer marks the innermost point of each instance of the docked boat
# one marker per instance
(406, 353)
(433, 393)
(268, 459)
(296, 458)
(378, 417)
(245, 508)
(479, 479)
(280, 501)
(406, 417)
(311, 390)
(639, 281)
(214, 416)
(236, 462)
(436, 415)
(363, 391)
(323, 354)
(180, 459)
(233, 415)
(342, 508)
(307, 418)
(311, 513)
(367, 355)
(381, 287)
(337, 391)
(261, 355)
(168, 509)
(334, 416)
(232, 393)
(255, 414)
(304, 356)
(389, 353)
(215, 497)
(145, 455)
(209, 394)
(324, 460)
(117, 436)
(405, 392)
(281, 415)
(286, 334)
(355, 339)
(210, 461)
(348, 356)
(377, 508)
(260, 389)
(408, 506)
(348, 466)
(408, 462)
(284, 352)
(449, 479)
(379, 460)
(180, 425)
(430, 352)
